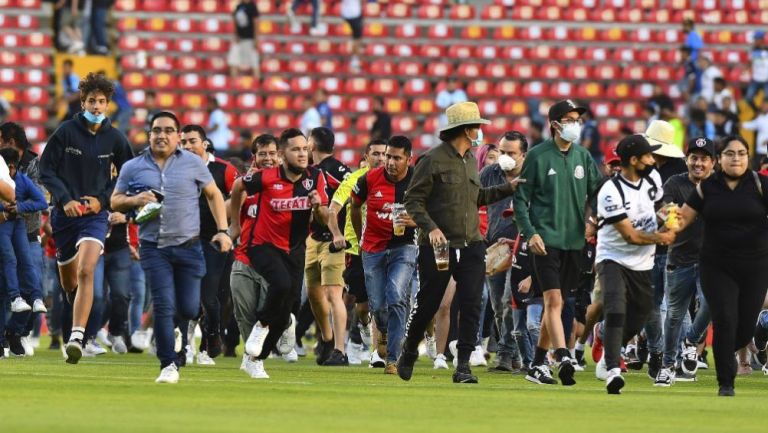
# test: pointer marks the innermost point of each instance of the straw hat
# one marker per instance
(662, 133)
(463, 113)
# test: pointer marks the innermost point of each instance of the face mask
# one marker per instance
(506, 162)
(646, 171)
(570, 132)
(479, 140)
(92, 118)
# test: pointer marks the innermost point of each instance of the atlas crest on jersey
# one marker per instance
(307, 184)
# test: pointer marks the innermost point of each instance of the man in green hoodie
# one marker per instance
(551, 212)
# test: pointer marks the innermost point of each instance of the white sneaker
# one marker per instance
(690, 359)
(73, 351)
(431, 346)
(765, 369)
(440, 363)
(288, 339)
(355, 353)
(39, 306)
(189, 354)
(292, 357)
(93, 349)
(477, 358)
(376, 361)
(300, 350)
(35, 342)
(118, 345)
(176, 340)
(204, 359)
(365, 333)
(102, 337)
(601, 370)
(140, 339)
(244, 362)
(256, 370)
(665, 378)
(576, 366)
(452, 347)
(27, 345)
(191, 331)
(19, 305)
(614, 382)
(169, 374)
(255, 341)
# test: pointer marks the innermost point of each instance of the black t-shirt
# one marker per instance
(335, 172)
(672, 167)
(244, 14)
(224, 174)
(117, 239)
(522, 268)
(735, 221)
(687, 246)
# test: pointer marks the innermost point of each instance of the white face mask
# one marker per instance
(479, 140)
(570, 132)
(506, 162)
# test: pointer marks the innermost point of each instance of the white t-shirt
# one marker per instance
(5, 175)
(708, 82)
(219, 137)
(759, 124)
(759, 65)
(351, 9)
(639, 207)
(310, 120)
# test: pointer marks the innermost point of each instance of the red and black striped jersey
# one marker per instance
(248, 213)
(224, 174)
(284, 208)
(335, 172)
(380, 194)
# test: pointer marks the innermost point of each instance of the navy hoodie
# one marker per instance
(76, 163)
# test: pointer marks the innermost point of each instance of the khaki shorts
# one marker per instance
(243, 54)
(322, 267)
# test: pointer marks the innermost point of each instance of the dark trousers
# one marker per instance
(284, 274)
(735, 290)
(467, 266)
(117, 276)
(627, 300)
(215, 262)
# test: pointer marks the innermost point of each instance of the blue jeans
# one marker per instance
(24, 323)
(683, 283)
(20, 276)
(654, 326)
(533, 314)
(388, 276)
(117, 277)
(52, 288)
(520, 334)
(315, 9)
(215, 262)
(503, 315)
(99, 26)
(173, 274)
(138, 295)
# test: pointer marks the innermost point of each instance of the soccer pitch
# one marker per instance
(114, 393)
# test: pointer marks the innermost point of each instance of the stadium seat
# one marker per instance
(155, 25)
(191, 81)
(299, 66)
(417, 87)
(154, 5)
(606, 72)
(514, 53)
(403, 125)
(505, 33)
(194, 117)
(215, 45)
(361, 104)
(561, 90)
(160, 62)
(217, 82)
(394, 105)
(186, 45)
(163, 80)
(328, 67)
(440, 31)
(211, 6)
(541, 52)
(33, 114)
(469, 70)
(534, 89)
(628, 109)
(357, 86)
(407, 31)
(551, 71)
(515, 107)
(432, 51)
(385, 87)
(403, 50)
(375, 30)
(507, 89)
(303, 85)
(131, 43)
(376, 50)
(578, 72)
(634, 73)
(493, 12)
(272, 66)
(188, 63)
(277, 102)
(160, 45)
(409, 68)
(590, 90)
(250, 120)
(184, 25)
(474, 33)
(331, 85)
(631, 16)
(281, 121)
(398, 10)
(523, 71)
(440, 69)
(479, 89)
(617, 91)
(489, 107)
(383, 67)
(167, 100)
(9, 77)
(10, 58)
(430, 12)
(489, 52)
(523, 13)
(340, 123)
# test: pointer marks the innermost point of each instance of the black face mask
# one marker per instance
(646, 171)
(295, 170)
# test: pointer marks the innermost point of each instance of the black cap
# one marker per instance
(703, 144)
(560, 109)
(634, 145)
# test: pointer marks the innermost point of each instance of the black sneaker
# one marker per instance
(325, 349)
(181, 358)
(503, 364)
(405, 364)
(642, 350)
(632, 360)
(703, 363)
(464, 375)
(683, 376)
(55, 343)
(726, 391)
(14, 344)
(540, 375)
(580, 358)
(337, 359)
(566, 371)
(654, 365)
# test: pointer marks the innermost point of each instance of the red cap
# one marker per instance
(612, 156)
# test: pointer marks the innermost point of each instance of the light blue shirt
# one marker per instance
(181, 180)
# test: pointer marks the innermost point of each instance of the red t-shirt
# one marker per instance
(483, 215)
(380, 194)
(248, 213)
(284, 208)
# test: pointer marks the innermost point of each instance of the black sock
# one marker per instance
(539, 356)
(579, 355)
(562, 353)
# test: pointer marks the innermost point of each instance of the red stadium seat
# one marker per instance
(10, 58)
(624, 55)
(615, 34)
(340, 123)
(211, 6)
(300, 66)
(416, 87)
(407, 31)
(156, 25)
(194, 117)
(489, 52)
(272, 66)
(188, 63)
(462, 52)
(126, 25)
(523, 13)
(505, 33)
(432, 51)
(634, 73)
(385, 87)
(663, 73)
(462, 12)
(248, 101)
(590, 90)
(628, 109)
(403, 125)
(163, 81)
(375, 30)
(523, 71)
(493, 12)
(357, 86)
(607, 72)
(28, 4)
(278, 103)
(331, 85)
(618, 91)
(372, 10)
(440, 69)
(131, 43)
(303, 85)
(513, 107)
(184, 25)
(250, 120)
(489, 107)
(328, 67)
(167, 100)
(9, 77)
(269, 47)
(474, 33)
(568, 53)
(394, 105)
(383, 67)
(469, 70)
(35, 96)
(364, 123)
(534, 89)
(579, 72)
(217, 82)
(541, 52)
(245, 83)
(281, 121)
(159, 45)
(551, 71)
(361, 104)
(27, 22)
(215, 45)
(430, 12)
(186, 45)
(632, 15)
(403, 50)
(440, 31)
(154, 5)
(513, 53)
(36, 77)
(561, 90)
(33, 114)
(160, 62)
(398, 10)
(377, 50)
(479, 89)
(585, 34)
(191, 81)
(409, 68)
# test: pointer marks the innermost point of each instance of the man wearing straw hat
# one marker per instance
(551, 212)
(443, 200)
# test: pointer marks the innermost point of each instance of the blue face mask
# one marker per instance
(92, 118)
(479, 140)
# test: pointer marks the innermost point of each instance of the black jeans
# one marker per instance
(215, 262)
(627, 300)
(284, 274)
(735, 290)
(467, 266)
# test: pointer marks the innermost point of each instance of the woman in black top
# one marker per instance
(734, 257)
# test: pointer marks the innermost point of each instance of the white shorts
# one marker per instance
(243, 55)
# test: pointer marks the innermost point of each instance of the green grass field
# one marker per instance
(114, 393)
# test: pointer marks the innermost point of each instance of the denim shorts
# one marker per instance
(70, 232)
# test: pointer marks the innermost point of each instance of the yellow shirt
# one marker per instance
(341, 197)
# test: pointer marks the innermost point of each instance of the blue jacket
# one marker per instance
(29, 198)
(76, 163)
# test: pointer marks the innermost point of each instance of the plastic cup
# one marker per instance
(441, 257)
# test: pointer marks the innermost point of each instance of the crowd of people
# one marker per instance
(470, 248)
